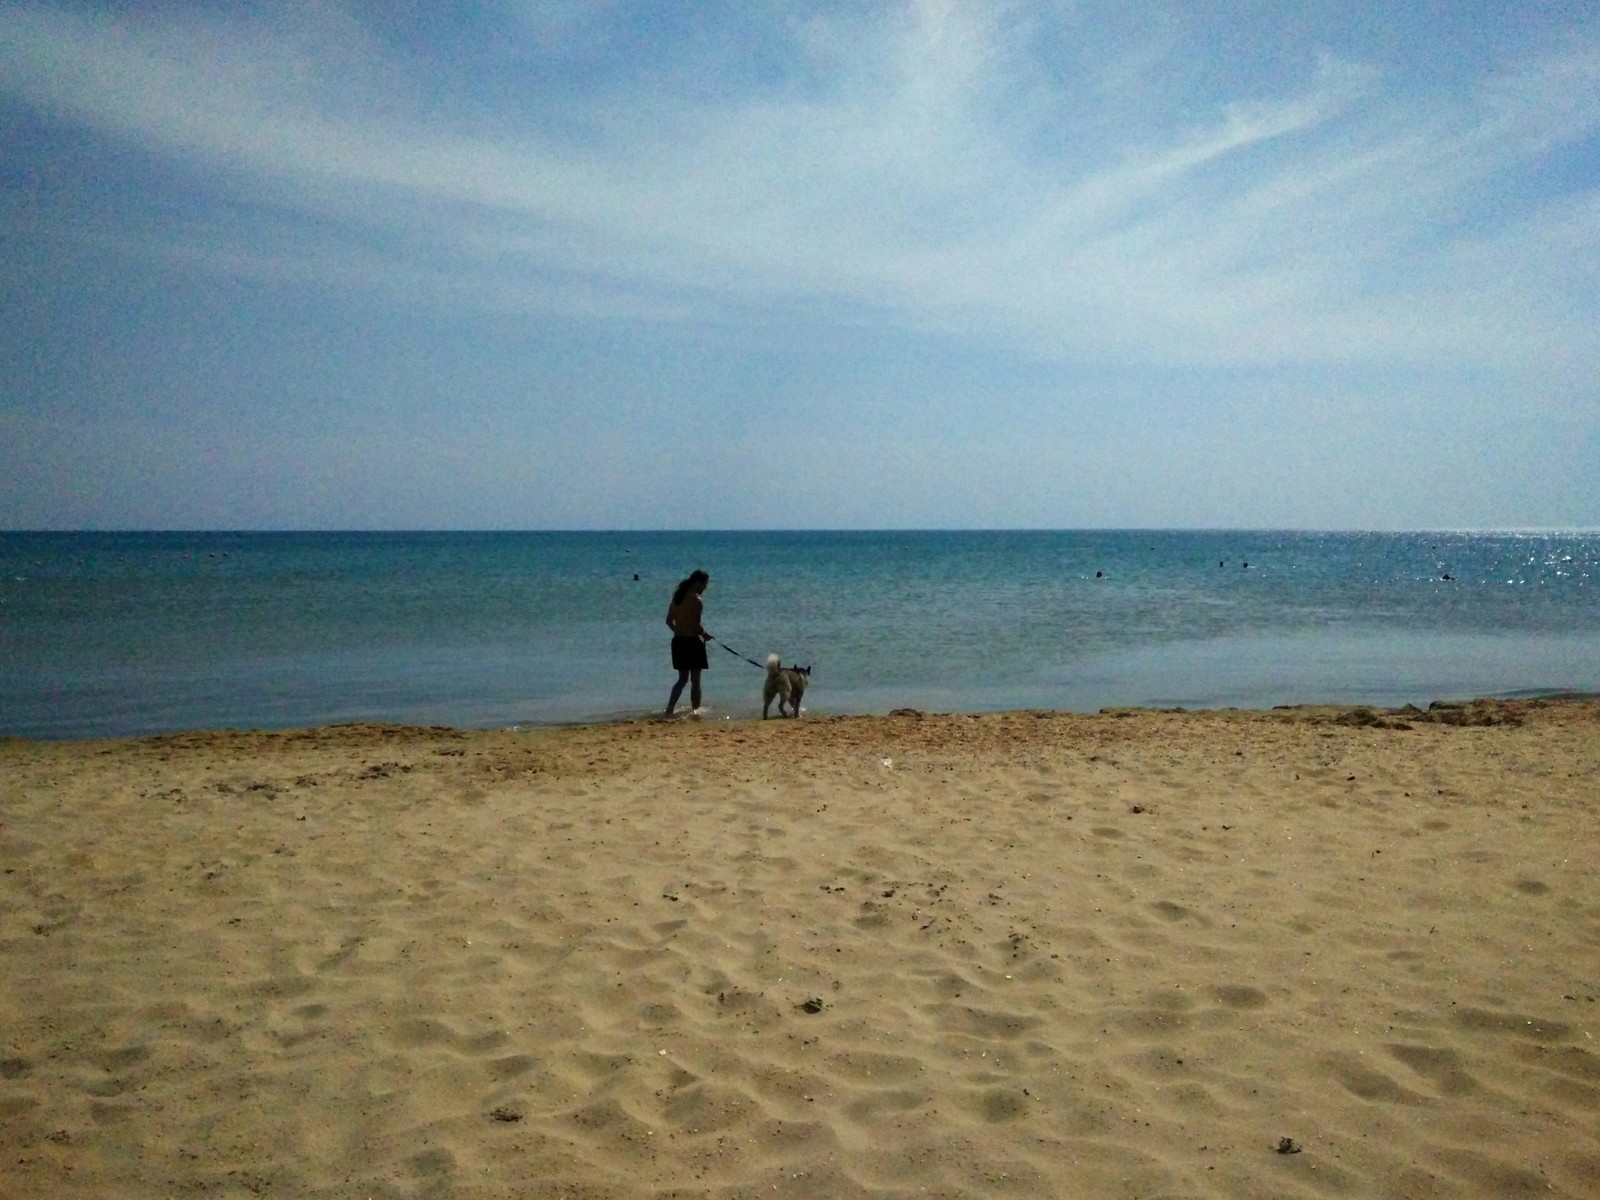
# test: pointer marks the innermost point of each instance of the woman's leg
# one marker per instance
(677, 690)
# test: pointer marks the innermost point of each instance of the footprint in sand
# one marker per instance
(1513, 1024)
(1234, 995)
(1361, 1080)
(1439, 1066)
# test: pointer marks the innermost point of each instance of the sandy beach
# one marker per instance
(1295, 953)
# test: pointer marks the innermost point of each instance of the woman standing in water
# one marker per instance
(689, 638)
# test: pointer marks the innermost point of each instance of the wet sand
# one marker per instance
(1306, 952)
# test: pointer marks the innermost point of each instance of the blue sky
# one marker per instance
(596, 264)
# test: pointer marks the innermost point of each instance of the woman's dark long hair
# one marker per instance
(684, 585)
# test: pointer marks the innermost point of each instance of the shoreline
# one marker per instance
(1226, 953)
(1520, 696)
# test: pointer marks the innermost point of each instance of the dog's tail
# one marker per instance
(773, 664)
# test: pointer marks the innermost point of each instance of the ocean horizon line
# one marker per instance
(1506, 530)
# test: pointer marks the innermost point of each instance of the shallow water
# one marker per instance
(106, 634)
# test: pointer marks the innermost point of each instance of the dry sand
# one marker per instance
(1011, 955)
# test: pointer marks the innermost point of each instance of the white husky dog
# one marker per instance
(784, 684)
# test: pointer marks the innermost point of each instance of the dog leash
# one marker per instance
(736, 654)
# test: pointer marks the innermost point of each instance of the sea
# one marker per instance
(115, 634)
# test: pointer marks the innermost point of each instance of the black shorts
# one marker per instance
(688, 653)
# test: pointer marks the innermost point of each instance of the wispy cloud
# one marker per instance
(927, 168)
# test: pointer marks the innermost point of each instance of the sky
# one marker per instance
(593, 264)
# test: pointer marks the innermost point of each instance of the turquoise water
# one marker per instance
(109, 634)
